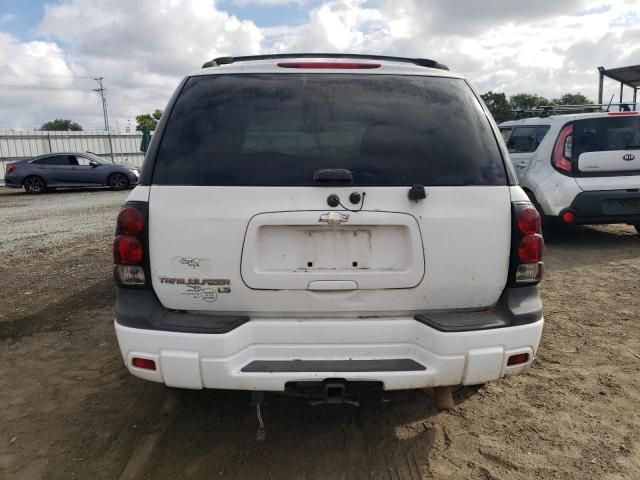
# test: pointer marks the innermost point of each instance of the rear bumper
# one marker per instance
(12, 182)
(265, 354)
(259, 353)
(608, 206)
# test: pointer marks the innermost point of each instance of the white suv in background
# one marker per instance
(579, 168)
(316, 223)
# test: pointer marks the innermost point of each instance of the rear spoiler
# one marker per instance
(421, 62)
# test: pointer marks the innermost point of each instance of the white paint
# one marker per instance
(287, 250)
(611, 161)
(483, 365)
(181, 369)
(449, 358)
(465, 234)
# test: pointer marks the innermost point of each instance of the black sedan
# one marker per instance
(64, 170)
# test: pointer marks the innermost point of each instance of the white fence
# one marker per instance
(115, 146)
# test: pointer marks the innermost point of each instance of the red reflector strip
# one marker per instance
(145, 363)
(518, 359)
(568, 216)
(330, 65)
(620, 114)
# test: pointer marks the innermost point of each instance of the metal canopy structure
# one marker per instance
(629, 76)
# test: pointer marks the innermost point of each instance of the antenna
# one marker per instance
(101, 91)
(609, 106)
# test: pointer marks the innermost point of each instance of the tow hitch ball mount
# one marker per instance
(335, 393)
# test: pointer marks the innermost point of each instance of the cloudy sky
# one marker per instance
(50, 50)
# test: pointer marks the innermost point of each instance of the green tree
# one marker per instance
(498, 106)
(526, 101)
(59, 125)
(572, 99)
(148, 120)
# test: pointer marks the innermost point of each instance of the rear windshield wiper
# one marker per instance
(333, 175)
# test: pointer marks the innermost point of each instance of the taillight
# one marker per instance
(527, 245)
(531, 249)
(11, 167)
(130, 221)
(330, 65)
(127, 250)
(130, 246)
(563, 150)
(529, 220)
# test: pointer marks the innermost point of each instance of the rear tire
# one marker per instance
(118, 181)
(34, 185)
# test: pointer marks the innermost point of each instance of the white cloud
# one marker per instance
(143, 47)
(37, 81)
(339, 25)
(7, 18)
(244, 3)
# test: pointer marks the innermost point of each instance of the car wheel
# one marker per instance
(34, 184)
(118, 181)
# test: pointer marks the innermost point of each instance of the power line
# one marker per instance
(44, 87)
(45, 75)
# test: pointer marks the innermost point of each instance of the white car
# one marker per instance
(579, 168)
(317, 223)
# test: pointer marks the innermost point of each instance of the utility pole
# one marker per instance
(104, 101)
(101, 90)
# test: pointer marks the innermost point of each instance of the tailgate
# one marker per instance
(607, 152)
(210, 250)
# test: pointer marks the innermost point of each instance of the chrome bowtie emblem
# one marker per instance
(629, 156)
(334, 218)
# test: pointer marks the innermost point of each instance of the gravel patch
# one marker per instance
(36, 222)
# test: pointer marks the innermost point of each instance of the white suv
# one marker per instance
(308, 221)
(579, 168)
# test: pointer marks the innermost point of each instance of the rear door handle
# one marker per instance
(332, 285)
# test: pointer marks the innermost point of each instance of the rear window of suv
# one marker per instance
(278, 129)
(606, 134)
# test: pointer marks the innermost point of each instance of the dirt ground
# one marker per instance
(69, 409)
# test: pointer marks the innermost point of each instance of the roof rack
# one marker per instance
(422, 62)
(547, 110)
